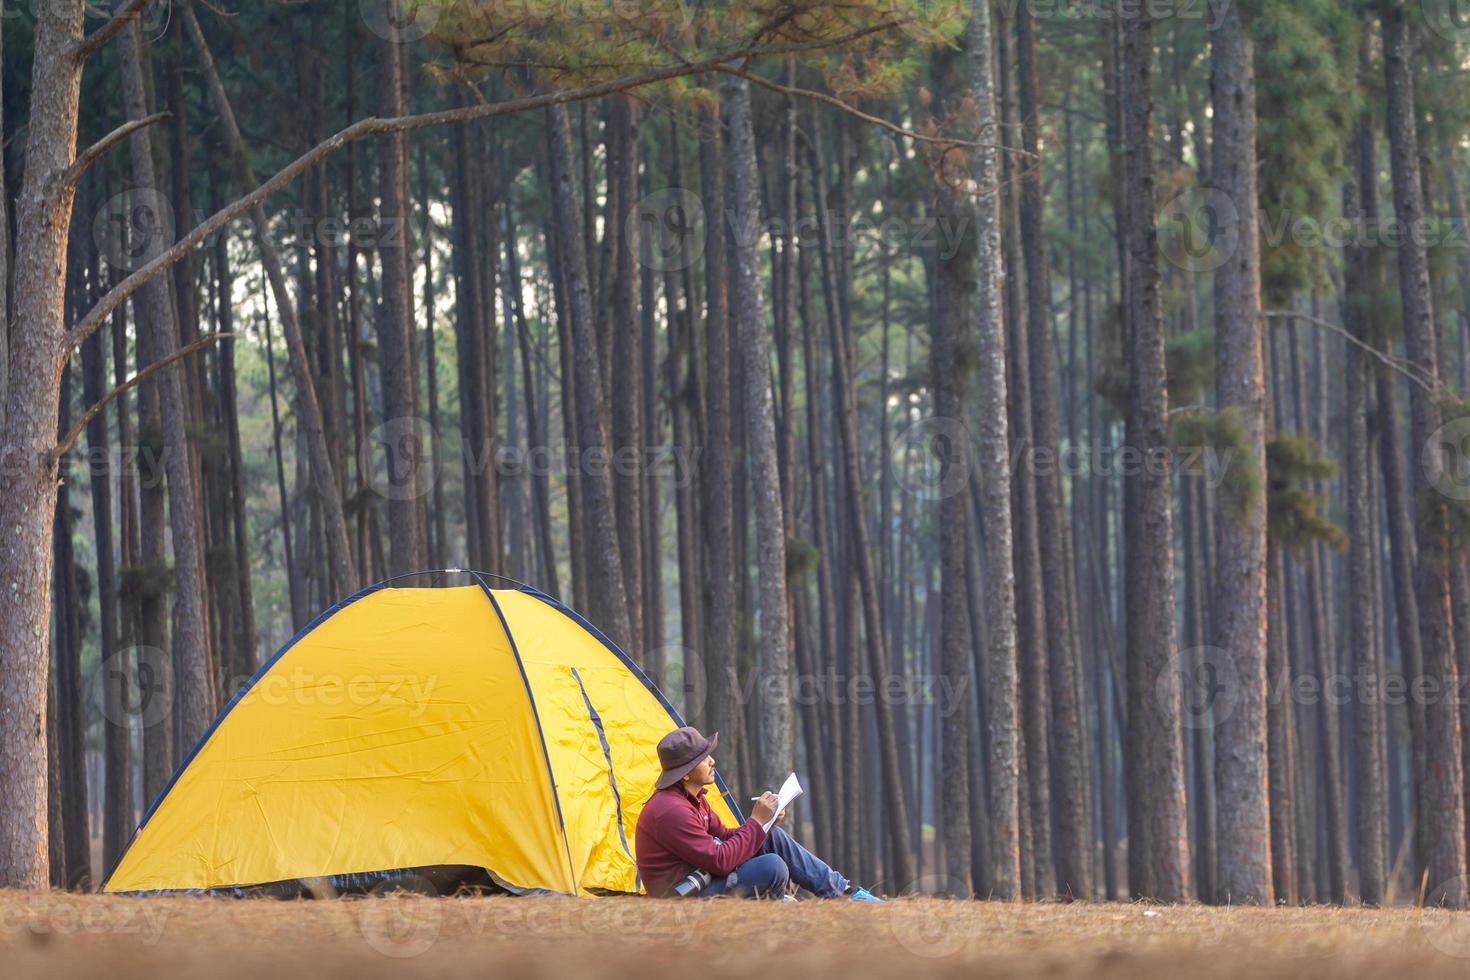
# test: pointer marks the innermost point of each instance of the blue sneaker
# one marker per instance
(860, 894)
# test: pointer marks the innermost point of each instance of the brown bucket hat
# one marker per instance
(680, 751)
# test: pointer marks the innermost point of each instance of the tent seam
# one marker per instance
(540, 734)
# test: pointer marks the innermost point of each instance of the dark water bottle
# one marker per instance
(693, 884)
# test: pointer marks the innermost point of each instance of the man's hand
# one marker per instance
(765, 808)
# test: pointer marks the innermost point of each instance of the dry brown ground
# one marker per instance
(60, 936)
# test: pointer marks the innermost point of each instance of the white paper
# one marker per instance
(789, 791)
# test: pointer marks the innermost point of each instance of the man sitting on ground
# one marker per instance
(679, 835)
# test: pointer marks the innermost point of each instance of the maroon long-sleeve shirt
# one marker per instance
(677, 833)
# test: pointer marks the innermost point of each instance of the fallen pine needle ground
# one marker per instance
(57, 936)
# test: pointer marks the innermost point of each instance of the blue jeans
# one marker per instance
(780, 861)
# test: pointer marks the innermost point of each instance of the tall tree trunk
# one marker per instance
(954, 283)
(117, 811)
(626, 392)
(70, 761)
(993, 473)
(401, 435)
(1360, 203)
(1158, 843)
(717, 517)
(1069, 758)
(778, 746)
(469, 335)
(1441, 796)
(159, 339)
(246, 641)
(28, 493)
(4, 255)
(437, 532)
(608, 605)
(1242, 800)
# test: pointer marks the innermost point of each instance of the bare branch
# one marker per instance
(75, 432)
(1397, 364)
(91, 154)
(852, 110)
(88, 45)
(374, 126)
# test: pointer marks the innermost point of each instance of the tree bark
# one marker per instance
(722, 708)
(401, 436)
(778, 745)
(158, 341)
(1069, 759)
(117, 806)
(28, 493)
(1158, 842)
(608, 600)
(1441, 797)
(1243, 812)
(954, 283)
(1360, 202)
(625, 381)
(993, 473)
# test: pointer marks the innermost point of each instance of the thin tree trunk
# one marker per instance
(1069, 758)
(993, 472)
(626, 392)
(716, 515)
(1242, 798)
(1441, 796)
(954, 280)
(1360, 202)
(401, 436)
(608, 600)
(159, 339)
(1158, 818)
(117, 802)
(774, 657)
(70, 762)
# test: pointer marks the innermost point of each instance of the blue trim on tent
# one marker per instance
(637, 672)
(612, 778)
(545, 755)
(244, 690)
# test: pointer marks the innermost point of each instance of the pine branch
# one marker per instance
(1397, 364)
(71, 437)
(87, 46)
(92, 153)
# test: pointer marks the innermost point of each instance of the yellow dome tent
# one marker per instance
(419, 728)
